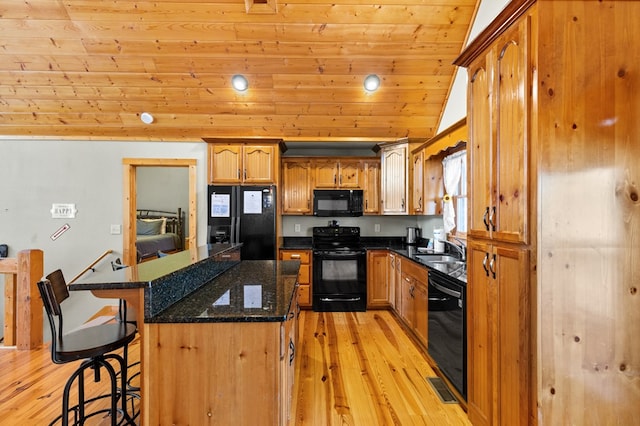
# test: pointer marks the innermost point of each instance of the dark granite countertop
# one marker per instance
(395, 244)
(251, 291)
(165, 280)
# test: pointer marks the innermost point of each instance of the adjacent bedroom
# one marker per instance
(161, 211)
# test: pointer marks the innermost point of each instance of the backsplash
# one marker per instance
(389, 226)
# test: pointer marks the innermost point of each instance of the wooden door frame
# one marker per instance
(129, 195)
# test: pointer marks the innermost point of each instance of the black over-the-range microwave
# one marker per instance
(337, 202)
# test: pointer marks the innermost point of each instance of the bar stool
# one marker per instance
(94, 345)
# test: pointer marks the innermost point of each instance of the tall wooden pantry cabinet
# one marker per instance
(554, 215)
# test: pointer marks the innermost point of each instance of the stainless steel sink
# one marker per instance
(447, 264)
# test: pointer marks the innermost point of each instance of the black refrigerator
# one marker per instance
(247, 215)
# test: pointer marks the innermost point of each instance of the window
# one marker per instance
(461, 199)
(455, 182)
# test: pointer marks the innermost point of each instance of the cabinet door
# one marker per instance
(289, 332)
(498, 320)
(406, 299)
(479, 149)
(482, 296)
(433, 186)
(417, 179)
(498, 150)
(296, 179)
(420, 311)
(371, 187)
(225, 163)
(326, 173)
(514, 335)
(394, 179)
(511, 161)
(349, 174)
(259, 163)
(398, 283)
(378, 294)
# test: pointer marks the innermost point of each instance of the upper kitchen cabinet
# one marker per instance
(242, 163)
(297, 187)
(371, 173)
(498, 98)
(426, 171)
(394, 161)
(332, 173)
(418, 183)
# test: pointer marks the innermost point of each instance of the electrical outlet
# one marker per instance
(297, 227)
(115, 229)
(376, 227)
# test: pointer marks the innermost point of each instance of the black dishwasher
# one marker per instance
(448, 328)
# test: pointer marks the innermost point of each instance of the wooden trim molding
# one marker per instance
(514, 10)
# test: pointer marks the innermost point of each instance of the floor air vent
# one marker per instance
(442, 390)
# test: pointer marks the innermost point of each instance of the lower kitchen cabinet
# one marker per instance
(499, 338)
(223, 373)
(304, 275)
(414, 299)
(378, 285)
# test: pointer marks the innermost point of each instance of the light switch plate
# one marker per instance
(116, 229)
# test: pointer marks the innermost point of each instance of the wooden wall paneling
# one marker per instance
(589, 306)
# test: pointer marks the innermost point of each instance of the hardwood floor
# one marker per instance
(356, 368)
(360, 368)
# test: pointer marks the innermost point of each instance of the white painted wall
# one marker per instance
(37, 173)
(456, 108)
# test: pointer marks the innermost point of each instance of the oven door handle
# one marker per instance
(333, 299)
(446, 290)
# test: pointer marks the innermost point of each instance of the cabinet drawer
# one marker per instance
(302, 256)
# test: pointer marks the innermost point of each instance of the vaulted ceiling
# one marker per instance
(89, 68)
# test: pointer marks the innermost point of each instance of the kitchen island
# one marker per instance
(218, 339)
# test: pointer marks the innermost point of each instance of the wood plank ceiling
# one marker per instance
(89, 68)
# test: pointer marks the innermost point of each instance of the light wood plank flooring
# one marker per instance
(352, 369)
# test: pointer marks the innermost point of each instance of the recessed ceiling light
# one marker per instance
(239, 82)
(371, 83)
(146, 118)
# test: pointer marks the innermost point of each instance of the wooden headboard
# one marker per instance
(175, 220)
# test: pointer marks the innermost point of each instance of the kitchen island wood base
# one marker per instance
(226, 373)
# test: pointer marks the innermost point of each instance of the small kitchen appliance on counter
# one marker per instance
(413, 234)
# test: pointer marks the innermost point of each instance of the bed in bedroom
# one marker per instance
(158, 232)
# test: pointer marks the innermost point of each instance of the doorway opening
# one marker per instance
(130, 196)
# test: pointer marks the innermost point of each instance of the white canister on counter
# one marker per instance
(438, 237)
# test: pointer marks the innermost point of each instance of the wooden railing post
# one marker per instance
(28, 302)
(10, 306)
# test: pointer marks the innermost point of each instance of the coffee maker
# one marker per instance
(413, 234)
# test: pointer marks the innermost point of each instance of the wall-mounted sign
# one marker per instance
(63, 211)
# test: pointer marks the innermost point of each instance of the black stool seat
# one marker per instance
(93, 341)
(95, 346)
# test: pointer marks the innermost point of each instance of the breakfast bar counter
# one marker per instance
(218, 337)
